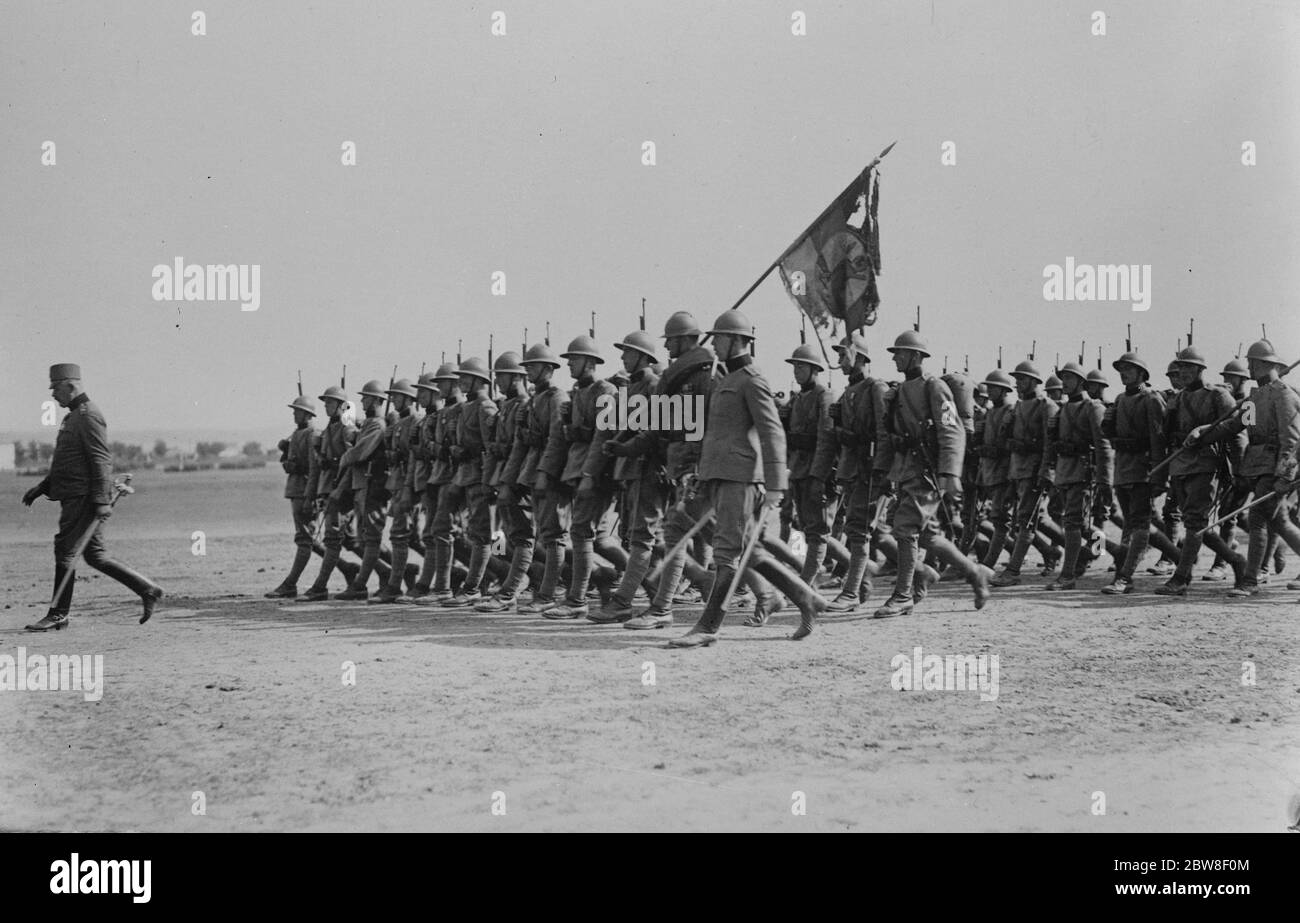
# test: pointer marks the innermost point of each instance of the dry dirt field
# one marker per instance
(241, 698)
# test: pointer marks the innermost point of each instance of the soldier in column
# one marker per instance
(398, 438)
(1032, 417)
(333, 488)
(366, 466)
(540, 470)
(855, 418)
(1271, 419)
(974, 498)
(1234, 487)
(447, 518)
(474, 430)
(1193, 473)
(423, 456)
(929, 442)
(1081, 460)
(689, 376)
(81, 479)
(299, 489)
(814, 491)
(995, 461)
(1136, 430)
(744, 447)
(507, 451)
(641, 479)
(593, 493)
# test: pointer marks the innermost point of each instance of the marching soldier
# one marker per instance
(813, 487)
(539, 472)
(1081, 459)
(423, 456)
(333, 488)
(690, 376)
(855, 419)
(920, 420)
(469, 490)
(1193, 474)
(1234, 487)
(506, 453)
(398, 439)
(1271, 419)
(298, 462)
(593, 494)
(1136, 430)
(81, 479)
(645, 491)
(367, 466)
(995, 461)
(1033, 416)
(1171, 515)
(744, 446)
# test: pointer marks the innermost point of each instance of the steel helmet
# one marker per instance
(303, 403)
(334, 393)
(1098, 377)
(446, 372)
(857, 341)
(1172, 368)
(1072, 368)
(807, 355)
(732, 323)
(583, 347)
(402, 386)
(1236, 367)
(681, 324)
(508, 364)
(426, 382)
(1000, 379)
(641, 342)
(1134, 360)
(541, 353)
(1053, 384)
(909, 339)
(475, 367)
(1029, 370)
(1191, 356)
(374, 388)
(1263, 351)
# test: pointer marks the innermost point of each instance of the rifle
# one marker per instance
(1279, 492)
(1241, 405)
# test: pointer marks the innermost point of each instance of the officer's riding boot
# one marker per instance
(849, 597)
(1182, 576)
(1070, 561)
(812, 561)
(1010, 575)
(900, 600)
(574, 604)
(1255, 551)
(1137, 547)
(619, 608)
(705, 631)
(994, 552)
(320, 588)
(809, 601)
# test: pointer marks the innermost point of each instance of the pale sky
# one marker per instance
(522, 153)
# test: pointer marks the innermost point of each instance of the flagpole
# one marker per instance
(816, 221)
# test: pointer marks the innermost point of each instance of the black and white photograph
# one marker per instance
(564, 416)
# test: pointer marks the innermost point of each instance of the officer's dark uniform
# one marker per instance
(81, 479)
(299, 464)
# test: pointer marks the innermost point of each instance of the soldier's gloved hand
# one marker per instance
(33, 495)
(103, 511)
(773, 499)
(1196, 436)
(950, 486)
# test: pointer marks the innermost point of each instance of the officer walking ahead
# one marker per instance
(81, 479)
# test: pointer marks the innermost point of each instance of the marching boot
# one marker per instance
(520, 561)
(706, 629)
(1225, 554)
(391, 590)
(54, 619)
(812, 561)
(544, 598)
(850, 596)
(574, 604)
(976, 575)
(357, 589)
(900, 601)
(605, 579)
(996, 543)
(1255, 551)
(469, 590)
(424, 580)
(619, 606)
(808, 600)
(440, 589)
(767, 601)
(1123, 582)
(1178, 583)
(288, 588)
(319, 590)
(1070, 563)
(1010, 575)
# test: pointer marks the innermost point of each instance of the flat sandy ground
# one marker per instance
(242, 698)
